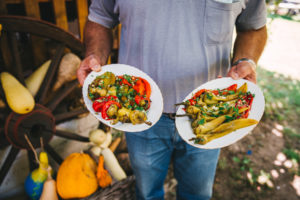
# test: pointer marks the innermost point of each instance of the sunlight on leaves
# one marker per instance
(296, 184)
(274, 173)
(277, 133)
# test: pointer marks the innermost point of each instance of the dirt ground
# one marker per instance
(242, 165)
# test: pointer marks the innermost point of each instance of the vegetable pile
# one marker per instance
(215, 113)
(121, 98)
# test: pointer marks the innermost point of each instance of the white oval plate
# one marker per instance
(154, 112)
(183, 124)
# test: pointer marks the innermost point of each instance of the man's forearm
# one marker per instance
(250, 44)
(98, 41)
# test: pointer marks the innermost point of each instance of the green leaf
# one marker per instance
(236, 159)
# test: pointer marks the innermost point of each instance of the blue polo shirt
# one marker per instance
(181, 44)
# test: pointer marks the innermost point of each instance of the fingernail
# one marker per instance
(235, 76)
(96, 68)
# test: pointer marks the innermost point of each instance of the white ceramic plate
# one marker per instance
(183, 124)
(155, 110)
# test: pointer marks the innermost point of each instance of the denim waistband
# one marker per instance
(170, 115)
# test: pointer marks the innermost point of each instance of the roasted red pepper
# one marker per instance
(147, 87)
(124, 81)
(245, 102)
(142, 101)
(198, 93)
(99, 102)
(232, 87)
(139, 87)
(225, 91)
(106, 107)
(192, 102)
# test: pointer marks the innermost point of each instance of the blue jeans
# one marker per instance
(150, 154)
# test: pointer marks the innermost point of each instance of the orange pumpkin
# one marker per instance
(76, 177)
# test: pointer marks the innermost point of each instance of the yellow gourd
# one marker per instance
(18, 97)
(76, 177)
(34, 81)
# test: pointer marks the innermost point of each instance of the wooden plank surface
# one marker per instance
(82, 11)
(21, 1)
(32, 8)
(38, 47)
(3, 9)
(60, 13)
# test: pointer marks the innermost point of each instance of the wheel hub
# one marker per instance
(37, 124)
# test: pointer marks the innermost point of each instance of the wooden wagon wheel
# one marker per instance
(39, 123)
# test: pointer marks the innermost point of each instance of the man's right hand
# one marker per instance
(90, 63)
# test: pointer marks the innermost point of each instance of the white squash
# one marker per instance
(97, 136)
(96, 151)
(107, 141)
(67, 70)
(111, 163)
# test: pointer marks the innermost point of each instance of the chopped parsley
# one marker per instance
(201, 121)
(231, 92)
(209, 96)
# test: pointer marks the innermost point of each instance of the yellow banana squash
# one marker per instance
(18, 97)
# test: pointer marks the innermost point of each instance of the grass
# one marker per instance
(282, 95)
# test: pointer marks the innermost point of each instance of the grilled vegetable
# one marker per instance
(215, 113)
(132, 98)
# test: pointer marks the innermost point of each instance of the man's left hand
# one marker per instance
(245, 70)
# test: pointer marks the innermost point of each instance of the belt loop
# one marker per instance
(171, 115)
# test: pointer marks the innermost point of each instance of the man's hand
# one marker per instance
(90, 63)
(245, 70)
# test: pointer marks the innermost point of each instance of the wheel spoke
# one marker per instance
(43, 90)
(8, 162)
(53, 154)
(18, 71)
(72, 136)
(2, 95)
(69, 115)
(31, 159)
(2, 116)
(3, 141)
(61, 94)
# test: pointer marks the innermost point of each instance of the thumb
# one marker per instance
(240, 71)
(94, 64)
